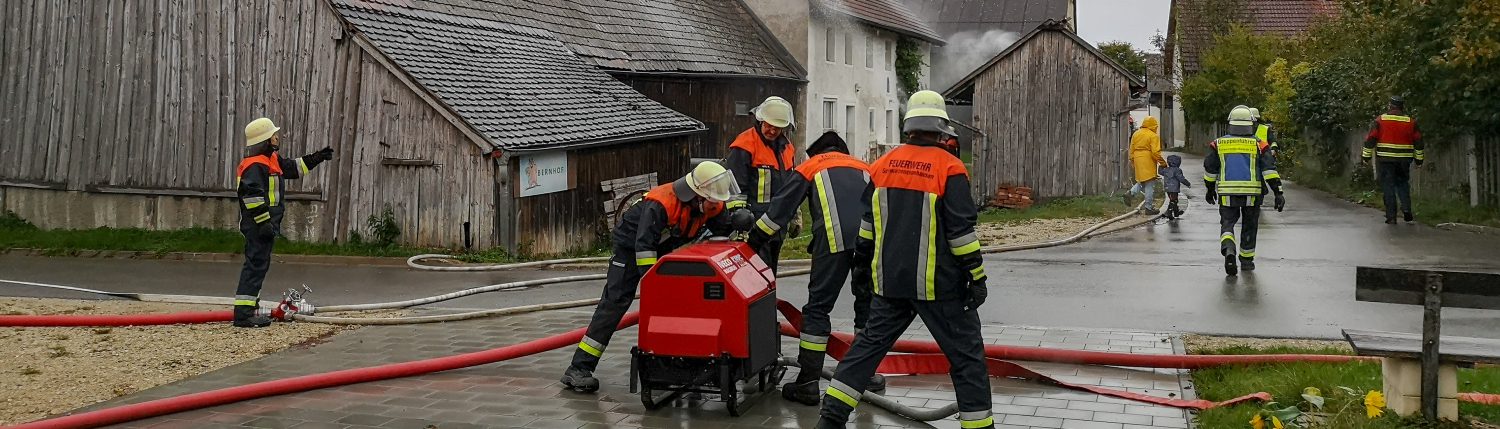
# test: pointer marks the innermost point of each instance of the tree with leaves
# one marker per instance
(1233, 72)
(1126, 55)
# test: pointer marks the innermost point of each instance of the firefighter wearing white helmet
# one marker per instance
(260, 179)
(918, 248)
(762, 160)
(1240, 170)
(669, 216)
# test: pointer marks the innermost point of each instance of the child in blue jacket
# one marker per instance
(1172, 175)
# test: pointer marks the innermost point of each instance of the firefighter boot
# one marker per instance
(245, 317)
(1247, 264)
(579, 380)
(827, 423)
(802, 392)
(877, 383)
(1227, 247)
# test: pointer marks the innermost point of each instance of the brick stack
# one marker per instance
(1012, 197)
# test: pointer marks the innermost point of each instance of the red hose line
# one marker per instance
(116, 319)
(1480, 398)
(304, 383)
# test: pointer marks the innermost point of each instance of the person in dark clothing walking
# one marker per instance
(763, 162)
(261, 194)
(832, 181)
(1239, 170)
(1395, 143)
(1175, 180)
(669, 216)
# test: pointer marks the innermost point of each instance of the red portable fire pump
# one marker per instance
(708, 325)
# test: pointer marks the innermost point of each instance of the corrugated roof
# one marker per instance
(518, 87)
(659, 36)
(888, 14)
(1267, 17)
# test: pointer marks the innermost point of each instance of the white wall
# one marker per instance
(851, 86)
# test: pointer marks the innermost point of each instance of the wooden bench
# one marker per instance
(1419, 371)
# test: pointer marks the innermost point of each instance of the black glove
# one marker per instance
(1280, 201)
(325, 154)
(757, 239)
(1419, 163)
(978, 292)
(1212, 197)
(265, 230)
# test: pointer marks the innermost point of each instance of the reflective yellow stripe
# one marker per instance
(735, 204)
(828, 224)
(253, 205)
(876, 204)
(867, 234)
(584, 345)
(1397, 118)
(1224, 201)
(763, 187)
(301, 167)
(841, 396)
(272, 194)
(813, 346)
(1247, 253)
(1367, 152)
(1270, 174)
(972, 247)
(645, 261)
(1227, 236)
(261, 218)
(1210, 177)
(976, 273)
(245, 302)
(970, 424)
(932, 227)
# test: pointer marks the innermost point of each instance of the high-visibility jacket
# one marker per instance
(833, 183)
(764, 170)
(1240, 169)
(662, 221)
(919, 225)
(1394, 137)
(261, 188)
(1266, 134)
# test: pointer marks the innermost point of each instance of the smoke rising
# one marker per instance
(965, 52)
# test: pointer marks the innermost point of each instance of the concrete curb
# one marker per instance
(1464, 227)
(218, 257)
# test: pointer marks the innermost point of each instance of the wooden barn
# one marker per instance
(475, 126)
(1054, 116)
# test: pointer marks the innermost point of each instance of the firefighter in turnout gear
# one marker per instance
(261, 196)
(1395, 143)
(1239, 170)
(917, 235)
(762, 160)
(833, 182)
(669, 216)
(1263, 130)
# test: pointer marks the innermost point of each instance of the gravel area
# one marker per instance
(1198, 343)
(1033, 230)
(46, 371)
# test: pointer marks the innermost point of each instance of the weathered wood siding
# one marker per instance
(131, 114)
(574, 219)
(1050, 110)
(712, 101)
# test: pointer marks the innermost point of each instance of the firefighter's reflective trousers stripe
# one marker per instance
(956, 330)
(620, 284)
(257, 263)
(1245, 243)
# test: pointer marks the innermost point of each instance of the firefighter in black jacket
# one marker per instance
(762, 160)
(832, 181)
(1238, 171)
(918, 237)
(669, 216)
(261, 191)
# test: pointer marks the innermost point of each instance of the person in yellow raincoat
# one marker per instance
(1145, 159)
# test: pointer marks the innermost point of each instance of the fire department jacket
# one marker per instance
(764, 170)
(661, 222)
(261, 188)
(832, 183)
(1266, 133)
(1394, 138)
(1240, 169)
(919, 225)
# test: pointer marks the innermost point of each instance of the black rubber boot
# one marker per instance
(1228, 249)
(245, 317)
(802, 392)
(580, 381)
(1409, 217)
(826, 423)
(1247, 264)
(877, 383)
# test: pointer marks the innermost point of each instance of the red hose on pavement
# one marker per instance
(117, 319)
(1480, 398)
(304, 383)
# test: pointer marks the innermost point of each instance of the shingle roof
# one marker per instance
(951, 17)
(1267, 17)
(888, 14)
(519, 87)
(659, 36)
(962, 85)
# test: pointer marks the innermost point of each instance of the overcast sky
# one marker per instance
(1132, 21)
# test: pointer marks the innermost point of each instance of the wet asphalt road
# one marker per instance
(1161, 277)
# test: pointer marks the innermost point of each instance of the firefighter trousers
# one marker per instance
(1245, 244)
(620, 284)
(257, 263)
(829, 272)
(770, 252)
(956, 330)
(1395, 185)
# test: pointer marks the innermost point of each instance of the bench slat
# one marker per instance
(1403, 345)
(1402, 286)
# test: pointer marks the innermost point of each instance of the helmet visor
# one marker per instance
(719, 188)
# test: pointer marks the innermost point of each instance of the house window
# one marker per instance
(742, 108)
(887, 84)
(890, 57)
(849, 123)
(870, 53)
(829, 110)
(829, 40)
(871, 123)
(891, 126)
(849, 48)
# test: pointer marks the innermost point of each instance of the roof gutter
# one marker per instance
(611, 141)
(701, 75)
